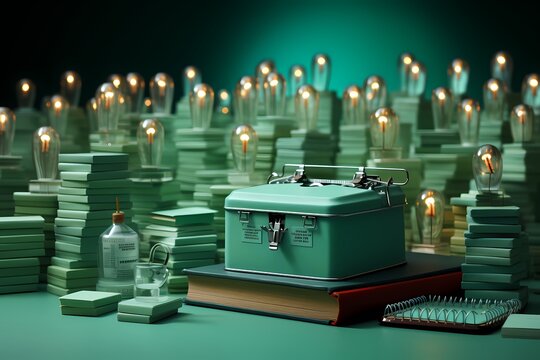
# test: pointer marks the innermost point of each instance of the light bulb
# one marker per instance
(147, 105)
(150, 140)
(7, 130)
(384, 128)
(375, 93)
(45, 105)
(494, 98)
(135, 91)
(522, 123)
(190, 78)
(119, 82)
(58, 113)
(70, 87)
(162, 92)
(468, 122)
(442, 104)
(529, 90)
(458, 77)
(108, 109)
(46, 147)
(416, 84)
(307, 107)
(224, 102)
(354, 105)
(430, 215)
(297, 78)
(404, 64)
(244, 148)
(246, 100)
(487, 166)
(201, 102)
(91, 113)
(320, 72)
(274, 88)
(262, 70)
(26, 93)
(502, 67)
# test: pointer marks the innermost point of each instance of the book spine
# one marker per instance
(356, 303)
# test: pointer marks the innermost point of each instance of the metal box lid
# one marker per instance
(326, 200)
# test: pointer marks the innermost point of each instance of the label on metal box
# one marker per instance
(300, 236)
(251, 234)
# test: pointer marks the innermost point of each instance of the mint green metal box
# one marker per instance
(322, 232)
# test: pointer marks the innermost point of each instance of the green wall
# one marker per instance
(227, 41)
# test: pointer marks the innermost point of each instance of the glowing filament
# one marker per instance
(533, 83)
(244, 138)
(468, 111)
(191, 74)
(298, 73)
(150, 132)
(415, 70)
(487, 159)
(70, 79)
(147, 102)
(25, 87)
(45, 141)
(223, 95)
(407, 60)
(430, 203)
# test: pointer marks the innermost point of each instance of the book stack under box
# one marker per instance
(86, 201)
(190, 237)
(147, 311)
(198, 150)
(521, 179)
(148, 197)
(130, 148)
(21, 245)
(306, 148)
(89, 303)
(495, 254)
(12, 179)
(354, 143)
(45, 205)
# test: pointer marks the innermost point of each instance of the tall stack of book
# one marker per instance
(130, 148)
(12, 179)
(494, 131)
(495, 255)
(190, 237)
(457, 241)
(21, 245)
(86, 201)
(46, 206)
(198, 150)
(414, 113)
(520, 178)
(329, 114)
(354, 143)
(205, 180)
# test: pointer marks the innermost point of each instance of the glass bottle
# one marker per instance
(118, 253)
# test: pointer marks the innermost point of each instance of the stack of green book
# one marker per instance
(457, 241)
(314, 148)
(190, 237)
(21, 245)
(148, 197)
(414, 113)
(205, 179)
(430, 141)
(129, 123)
(28, 121)
(183, 113)
(147, 311)
(12, 179)
(198, 149)
(329, 113)
(495, 254)
(77, 128)
(45, 205)
(89, 303)
(354, 143)
(494, 131)
(130, 148)
(91, 184)
(520, 178)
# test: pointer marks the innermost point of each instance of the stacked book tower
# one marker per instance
(130, 148)
(495, 255)
(354, 143)
(86, 200)
(521, 178)
(190, 237)
(144, 311)
(205, 180)
(21, 245)
(46, 206)
(12, 179)
(414, 113)
(89, 303)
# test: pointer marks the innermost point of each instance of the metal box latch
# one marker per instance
(276, 229)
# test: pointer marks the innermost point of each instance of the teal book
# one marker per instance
(86, 247)
(93, 207)
(19, 280)
(497, 269)
(19, 271)
(494, 211)
(90, 215)
(145, 319)
(494, 229)
(16, 263)
(329, 302)
(21, 222)
(187, 240)
(79, 311)
(94, 158)
(90, 299)
(88, 176)
(21, 253)
(184, 216)
(184, 264)
(80, 167)
(526, 326)
(25, 238)
(93, 191)
(96, 184)
(35, 210)
(91, 199)
(72, 263)
(71, 283)
(71, 273)
(22, 246)
(507, 243)
(186, 249)
(18, 288)
(150, 307)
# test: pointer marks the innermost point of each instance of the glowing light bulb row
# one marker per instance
(201, 101)
(46, 148)
(430, 215)
(469, 121)
(458, 77)
(246, 100)
(442, 104)
(7, 130)
(487, 166)
(522, 123)
(384, 128)
(150, 141)
(244, 141)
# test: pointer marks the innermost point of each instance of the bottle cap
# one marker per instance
(117, 216)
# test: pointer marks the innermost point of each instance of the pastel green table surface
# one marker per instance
(33, 328)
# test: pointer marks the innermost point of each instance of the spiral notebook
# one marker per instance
(450, 314)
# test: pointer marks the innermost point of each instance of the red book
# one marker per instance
(330, 302)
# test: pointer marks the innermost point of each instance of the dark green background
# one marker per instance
(226, 41)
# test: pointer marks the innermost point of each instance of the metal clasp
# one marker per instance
(276, 229)
(310, 222)
(243, 216)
